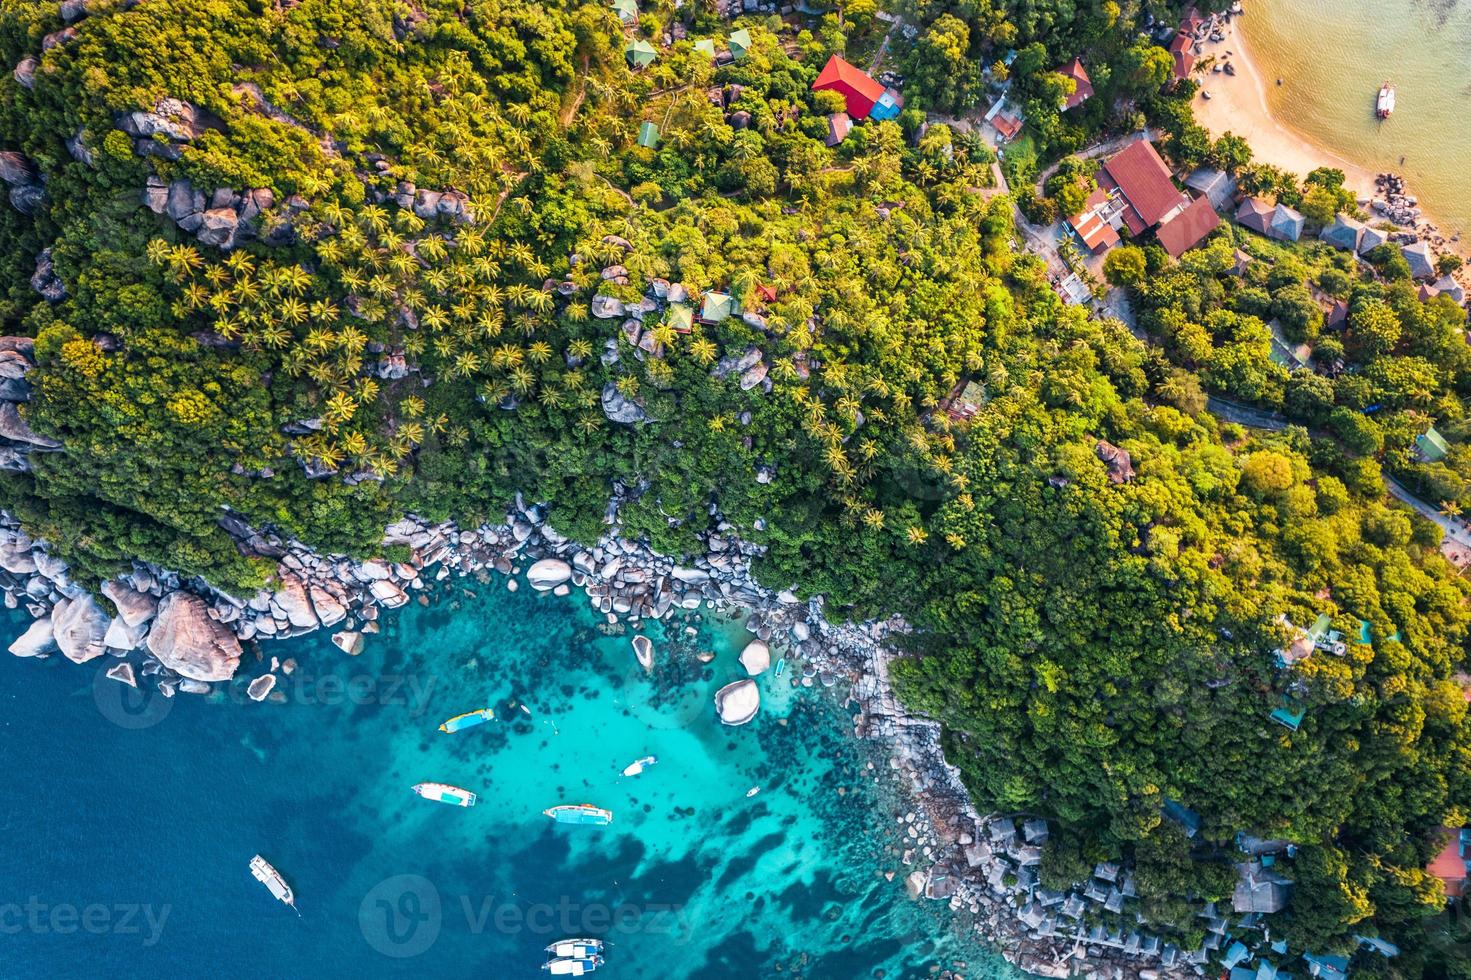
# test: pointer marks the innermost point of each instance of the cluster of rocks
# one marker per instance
(224, 217)
(17, 439)
(24, 179)
(1394, 200)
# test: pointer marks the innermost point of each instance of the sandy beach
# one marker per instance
(1239, 104)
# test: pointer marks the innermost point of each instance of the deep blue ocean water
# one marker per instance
(128, 821)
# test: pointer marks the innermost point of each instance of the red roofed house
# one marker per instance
(1191, 24)
(1450, 864)
(864, 96)
(1182, 49)
(1092, 224)
(1188, 227)
(1007, 126)
(1084, 91)
(1134, 192)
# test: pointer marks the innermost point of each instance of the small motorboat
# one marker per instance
(445, 793)
(569, 967)
(468, 720)
(576, 949)
(582, 814)
(781, 665)
(639, 765)
(1384, 105)
(752, 791)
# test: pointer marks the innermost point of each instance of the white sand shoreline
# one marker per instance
(1238, 104)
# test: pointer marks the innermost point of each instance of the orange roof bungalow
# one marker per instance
(865, 98)
(1084, 91)
(1192, 21)
(1450, 864)
(1092, 224)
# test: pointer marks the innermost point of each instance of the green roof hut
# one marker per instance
(707, 46)
(740, 43)
(648, 135)
(627, 10)
(641, 53)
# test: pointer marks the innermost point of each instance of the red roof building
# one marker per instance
(1189, 227)
(1092, 223)
(858, 90)
(1450, 864)
(1084, 91)
(1182, 49)
(1192, 22)
(1006, 125)
(1142, 178)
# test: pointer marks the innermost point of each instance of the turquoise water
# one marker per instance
(129, 822)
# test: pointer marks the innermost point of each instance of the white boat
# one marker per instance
(570, 967)
(445, 793)
(638, 766)
(1385, 105)
(267, 875)
(752, 791)
(576, 949)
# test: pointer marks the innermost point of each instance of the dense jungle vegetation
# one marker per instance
(1095, 645)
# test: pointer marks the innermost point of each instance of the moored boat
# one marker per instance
(639, 765)
(1384, 106)
(265, 873)
(584, 814)
(568, 967)
(468, 720)
(445, 793)
(576, 949)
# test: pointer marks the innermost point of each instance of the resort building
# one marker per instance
(839, 125)
(864, 97)
(1421, 260)
(1135, 192)
(1275, 221)
(1344, 233)
(1084, 85)
(1259, 888)
(1371, 239)
(1214, 184)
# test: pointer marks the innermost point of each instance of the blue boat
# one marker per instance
(582, 814)
(572, 967)
(781, 665)
(468, 720)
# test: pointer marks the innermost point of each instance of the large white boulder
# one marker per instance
(738, 702)
(38, 640)
(79, 626)
(185, 639)
(548, 573)
(756, 657)
(133, 606)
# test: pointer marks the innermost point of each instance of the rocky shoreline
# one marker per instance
(184, 637)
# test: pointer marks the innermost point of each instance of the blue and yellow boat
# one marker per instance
(583, 814)
(468, 720)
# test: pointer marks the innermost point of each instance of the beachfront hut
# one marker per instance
(627, 10)
(1287, 224)
(1083, 85)
(1447, 286)
(1371, 239)
(641, 53)
(838, 127)
(706, 45)
(1421, 260)
(740, 43)
(1213, 184)
(1343, 233)
(1431, 447)
(1256, 214)
(1182, 50)
(648, 135)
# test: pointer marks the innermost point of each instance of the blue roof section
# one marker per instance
(1182, 815)
(1382, 946)
(1327, 967)
(1237, 953)
(1366, 635)
(1289, 714)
